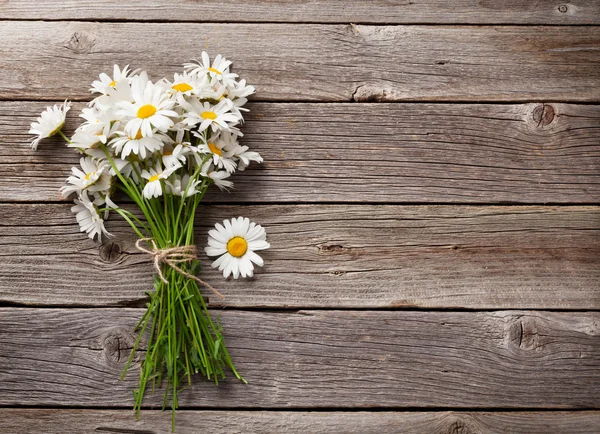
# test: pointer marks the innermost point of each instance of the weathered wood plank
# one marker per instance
(61, 421)
(54, 60)
(328, 256)
(341, 359)
(389, 153)
(315, 11)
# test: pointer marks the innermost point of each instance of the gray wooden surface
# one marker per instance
(429, 167)
(315, 62)
(352, 256)
(335, 11)
(392, 153)
(319, 359)
(26, 421)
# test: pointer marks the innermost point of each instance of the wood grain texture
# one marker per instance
(392, 153)
(54, 60)
(355, 11)
(316, 359)
(56, 421)
(328, 256)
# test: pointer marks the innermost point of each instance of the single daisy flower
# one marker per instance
(207, 115)
(235, 242)
(49, 123)
(92, 177)
(151, 108)
(125, 144)
(183, 185)
(245, 156)
(239, 94)
(187, 84)
(153, 187)
(218, 70)
(88, 217)
(217, 149)
(218, 177)
(174, 156)
(107, 82)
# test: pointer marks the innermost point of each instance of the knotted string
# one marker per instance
(173, 256)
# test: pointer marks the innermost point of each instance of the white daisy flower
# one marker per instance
(150, 108)
(219, 70)
(174, 156)
(207, 115)
(125, 144)
(92, 176)
(187, 84)
(235, 243)
(88, 217)
(120, 93)
(90, 136)
(49, 123)
(107, 82)
(219, 177)
(153, 187)
(183, 185)
(239, 94)
(245, 156)
(219, 152)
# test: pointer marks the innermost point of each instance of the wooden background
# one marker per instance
(430, 190)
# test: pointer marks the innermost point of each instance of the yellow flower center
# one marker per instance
(182, 87)
(216, 71)
(214, 149)
(89, 175)
(237, 246)
(209, 115)
(168, 152)
(138, 135)
(153, 178)
(145, 111)
(113, 83)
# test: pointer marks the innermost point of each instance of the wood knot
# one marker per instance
(523, 333)
(543, 115)
(110, 252)
(117, 345)
(80, 42)
(332, 248)
(563, 9)
(459, 427)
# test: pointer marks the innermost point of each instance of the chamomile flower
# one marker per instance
(245, 156)
(125, 144)
(217, 148)
(49, 123)
(107, 82)
(219, 70)
(153, 187)
(150, 110)
(235, 242)
(88, 217)
(207, 115)
(91, 136)
(218, 177)
(183, 185)
(174, 156)
(239, 94)
(187, 84)
(92, 176)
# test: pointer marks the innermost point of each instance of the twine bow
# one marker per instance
(173, 256)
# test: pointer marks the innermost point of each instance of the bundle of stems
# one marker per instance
(182, 338)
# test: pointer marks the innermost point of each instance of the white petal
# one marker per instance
(251, 256)
(215, 251)
(258, 245)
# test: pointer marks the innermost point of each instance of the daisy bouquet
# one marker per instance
(163, 144)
